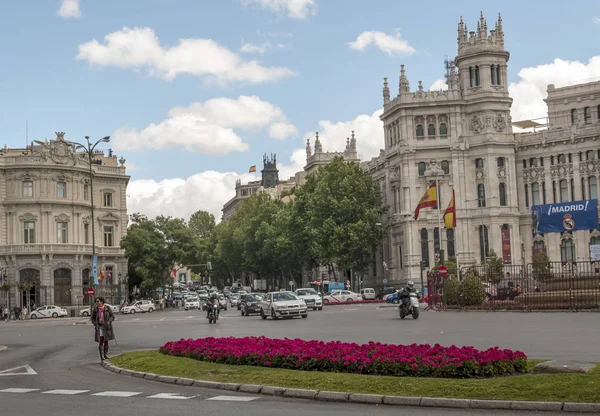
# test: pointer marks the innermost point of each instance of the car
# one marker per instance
(234, 299)
(48, 311)
(222, 302)
(86, 311)
(311, 297)
(282, 305)
(142, 306)
(368, 293)
(192, 303)
(251, 304)
(341, 296)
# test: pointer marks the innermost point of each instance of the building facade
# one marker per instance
(462, 137)
(46, 224)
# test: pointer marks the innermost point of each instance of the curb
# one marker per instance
(376, 399)
(3, 348)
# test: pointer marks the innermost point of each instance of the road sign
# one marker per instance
(292, 283)
(443, 270)
(90, 291)
(385, 281)
(79, 297)
(318, 282)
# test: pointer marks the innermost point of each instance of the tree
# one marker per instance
(451, 265)
(472, 290)
(495, 268)
(540, 267)
(202, 224)
(451, 291)
(339, 208)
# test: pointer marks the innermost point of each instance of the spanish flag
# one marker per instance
(450, 213)
(429, 199)
(252, 169)
(101, 275)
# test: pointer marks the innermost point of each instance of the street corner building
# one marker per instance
(461, 139)
(46, 224)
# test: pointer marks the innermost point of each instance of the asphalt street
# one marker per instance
(65, 372)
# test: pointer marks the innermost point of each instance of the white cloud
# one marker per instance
(261, 48)
(392, 45)
(208, 127)
(529, 92)
(596, 20)
(139, 48)
(296, 9)
(282, 131)
(439, 84)
(69, 9)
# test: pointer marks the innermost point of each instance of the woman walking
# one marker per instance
(102, 318)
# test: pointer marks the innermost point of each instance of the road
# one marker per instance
(66, 374)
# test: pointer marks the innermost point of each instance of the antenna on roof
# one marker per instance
(447, 64)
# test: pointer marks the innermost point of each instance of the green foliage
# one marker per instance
(540, 267)
(472, 290)
(5, 286)
(451, 265)
(451, 291)
(495, 268)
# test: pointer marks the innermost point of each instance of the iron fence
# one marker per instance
(65, 295)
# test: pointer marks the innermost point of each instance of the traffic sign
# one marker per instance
(90, 291)
(443, 270)
(385, 281)
(318, 282)
(79, 297)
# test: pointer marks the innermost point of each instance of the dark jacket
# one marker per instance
(108, 320)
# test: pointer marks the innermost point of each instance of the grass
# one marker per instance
(528, 387)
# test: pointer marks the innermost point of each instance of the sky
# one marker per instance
(194, 92)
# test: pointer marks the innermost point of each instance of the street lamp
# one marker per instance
(384, 263)
(483, 233)
(88, 149)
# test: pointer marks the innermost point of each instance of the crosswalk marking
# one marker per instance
(169, 396)
(68, 392)
(117, 394)
(233, 398)
(17, 390)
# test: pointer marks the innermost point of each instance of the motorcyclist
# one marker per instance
(404, 294)
(211, 301)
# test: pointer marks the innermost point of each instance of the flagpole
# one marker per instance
(456, 239)
(437, 186)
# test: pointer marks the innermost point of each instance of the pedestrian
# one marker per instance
(102, 318)
(25, 312)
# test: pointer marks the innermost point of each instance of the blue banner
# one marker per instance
(564, 217)
(95, 269)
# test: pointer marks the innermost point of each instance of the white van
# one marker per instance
(368, 293)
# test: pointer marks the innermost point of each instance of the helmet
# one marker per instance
(410, 284)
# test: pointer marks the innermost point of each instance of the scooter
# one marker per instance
(409, 305)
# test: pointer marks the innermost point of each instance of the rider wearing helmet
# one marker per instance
(405, 291)
(214, 298)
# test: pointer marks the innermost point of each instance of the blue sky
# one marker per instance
(297, 72)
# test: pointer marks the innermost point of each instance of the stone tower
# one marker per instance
(270, 173)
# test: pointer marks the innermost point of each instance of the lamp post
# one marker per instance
(88, 149)
(483, 234)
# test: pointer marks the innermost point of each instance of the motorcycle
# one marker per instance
(409, 305)
(213, 313)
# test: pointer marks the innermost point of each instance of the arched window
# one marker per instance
(443, 129)
(567, 251)
(445, 167)
(474, 76)
(590, 155)
(421, 167)
(498, 78)
(535, 194)
(477, 75)
(431, 130)
(564, 190)
(479, 163)
(424, 247)
(450, 242)
(502, 194)
(481, 195)
(420, 131)
(593, 187)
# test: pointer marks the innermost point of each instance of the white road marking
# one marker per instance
(25, 370)
(169, 396)
(162, 319)
(189, 317)
(66, 392)
(117, 393)
(17, 390)
(136, 319)
(233, 398)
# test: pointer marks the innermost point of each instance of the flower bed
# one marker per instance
(353, 302)
(373, 358)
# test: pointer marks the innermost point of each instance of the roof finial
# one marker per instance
(386, 91)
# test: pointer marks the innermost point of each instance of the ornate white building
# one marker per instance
(46, 232)
(463, 137)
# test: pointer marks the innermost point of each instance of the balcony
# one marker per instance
(49, 248)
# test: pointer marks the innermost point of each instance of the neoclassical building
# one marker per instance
(463, 137)
(46, 223)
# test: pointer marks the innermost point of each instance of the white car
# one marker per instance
(282, 304)
(342, 296)
(368, 293)
(192, 303)
(142, 306)
(311, 297)
(86, 311)
(49, 311)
